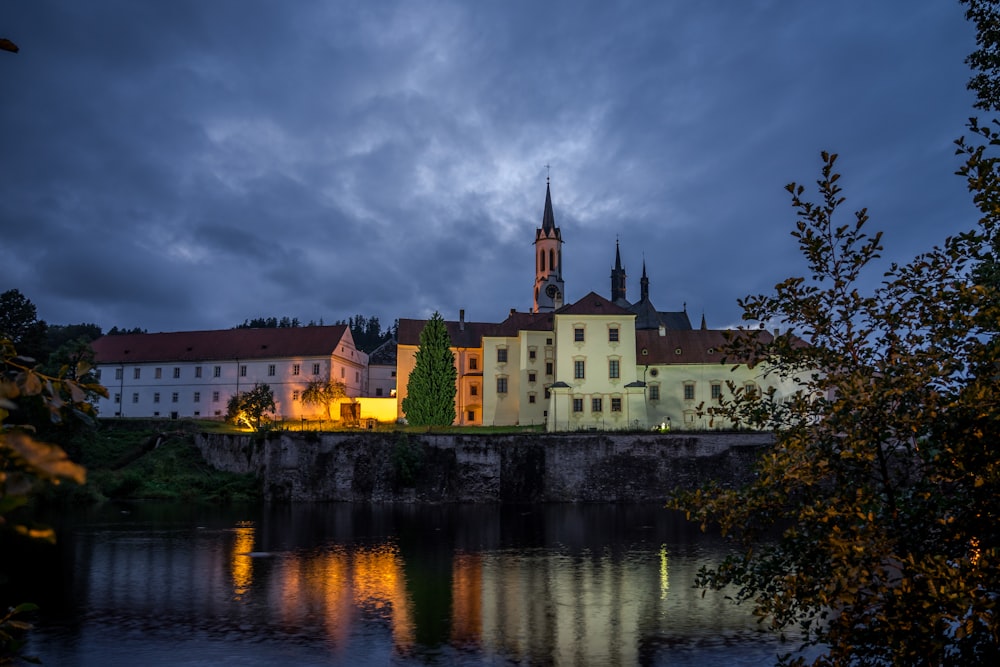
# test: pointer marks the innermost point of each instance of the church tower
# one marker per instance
(548, 261)
(618, 281)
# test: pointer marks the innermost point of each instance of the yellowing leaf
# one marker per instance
(43, 459)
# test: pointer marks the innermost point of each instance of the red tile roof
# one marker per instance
(516, 322)
(694, 346)
(462, 334)
(314, 341)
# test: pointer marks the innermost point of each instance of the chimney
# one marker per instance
(461, 319)
(663, 330)
(513, 310)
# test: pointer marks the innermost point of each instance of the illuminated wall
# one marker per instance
(469, 384)
(598, 393)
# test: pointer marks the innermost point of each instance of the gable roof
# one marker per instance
(314, 341)
(384, 354)
(462, 334)
(592, 304)
(517, 322)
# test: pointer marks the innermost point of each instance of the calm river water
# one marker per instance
(157, 585)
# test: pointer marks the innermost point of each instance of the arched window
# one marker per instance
(541, 260)
(552, 259)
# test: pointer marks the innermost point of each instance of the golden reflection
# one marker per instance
(241, 564)
(664, 572)
(467, 598)
(380, 587)
(974, 551)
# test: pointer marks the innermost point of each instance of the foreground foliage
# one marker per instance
(27, 464)
(883, 484)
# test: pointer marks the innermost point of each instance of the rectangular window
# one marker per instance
(532, 354)
(548, 368)
(501, 385)
(750, 389)
(654, 392)
(295, 394)
(270, 370)
(548, 393)
(357, 376)
(613, 369)
(315, 369)
(118, 398)
(613, 335)
(473, 363)
(158, 373)
(548, 341)
(578, 334)
(531, 376)
(197, 371)
(118, 374)
(616, 405)
(135, 398)
(471, 415)
(341, 372)
(177, 372)
(531, 398)
(217, 371)
(137, 373)
(197, 397)
(716, 391)
(243, 371)
(689, 391)
(174, 397)
(596, 405)
(296, 368)
(577, 405)
(474, 389)
(215, 397)
(156, 397)
(579, 370)
(501, 355)
(378, 391)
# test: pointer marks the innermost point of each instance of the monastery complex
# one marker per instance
(597, 363)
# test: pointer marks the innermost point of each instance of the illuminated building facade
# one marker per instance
(592, 364)
(466, 345)
(195, 373)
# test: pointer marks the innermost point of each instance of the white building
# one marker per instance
(194, 373)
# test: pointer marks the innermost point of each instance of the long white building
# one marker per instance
(194, 373)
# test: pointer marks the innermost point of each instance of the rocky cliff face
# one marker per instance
(427, 468)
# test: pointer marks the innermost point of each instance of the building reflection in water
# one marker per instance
(241, 560)
(564, 585)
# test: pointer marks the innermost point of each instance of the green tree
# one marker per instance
(884, 482)
(430, 391)
(251, 407)
(325, 393)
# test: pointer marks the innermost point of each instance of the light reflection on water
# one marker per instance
(390, 585)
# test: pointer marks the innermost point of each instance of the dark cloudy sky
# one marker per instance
(193, 163)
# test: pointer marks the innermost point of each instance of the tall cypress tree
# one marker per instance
(430, 391)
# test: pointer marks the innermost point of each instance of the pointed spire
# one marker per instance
(548, 219)
(644, 283)
(703, 325)
(618, 279)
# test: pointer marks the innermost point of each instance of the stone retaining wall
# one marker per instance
(428, 468)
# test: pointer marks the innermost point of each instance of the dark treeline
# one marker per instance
(366, 331)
